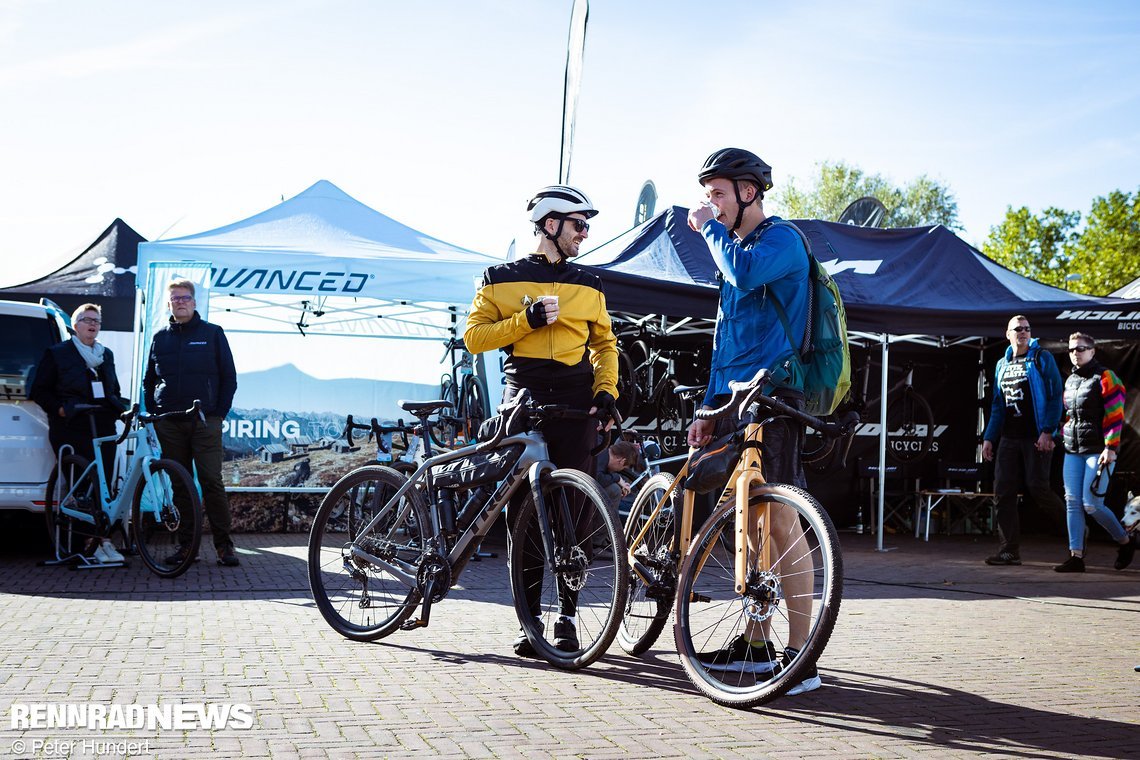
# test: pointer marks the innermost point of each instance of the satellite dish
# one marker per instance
(646, 203)
(865, 212)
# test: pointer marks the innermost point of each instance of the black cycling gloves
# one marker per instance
(606, 406)
(536, 314)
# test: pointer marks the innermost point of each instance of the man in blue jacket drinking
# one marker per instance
(757, 257)
(1024, 417)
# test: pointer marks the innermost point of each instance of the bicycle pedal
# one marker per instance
(410, 625)
(695, 597)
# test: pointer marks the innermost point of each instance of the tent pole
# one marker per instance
(883, 440)
(136, 365)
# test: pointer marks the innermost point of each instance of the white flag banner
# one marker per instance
(575, 51)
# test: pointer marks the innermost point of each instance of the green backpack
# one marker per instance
(824, 358)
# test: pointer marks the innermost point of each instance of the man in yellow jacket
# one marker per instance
(550, 317)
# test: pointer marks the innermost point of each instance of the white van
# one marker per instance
(26, 459)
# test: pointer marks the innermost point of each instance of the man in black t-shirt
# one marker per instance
(1025, 414)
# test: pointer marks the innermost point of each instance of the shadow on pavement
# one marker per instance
(952, 719)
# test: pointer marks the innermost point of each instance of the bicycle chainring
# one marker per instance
(434, 567)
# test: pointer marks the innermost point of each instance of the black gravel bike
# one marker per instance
(386, 547)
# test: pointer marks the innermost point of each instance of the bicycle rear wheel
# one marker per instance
(794, 582)
(626, 386)
(910, 427)
(474, 406)
(673, 413)
(161, 530)
(360, 598)
(591, 578)
(650, 598)
(79, 488)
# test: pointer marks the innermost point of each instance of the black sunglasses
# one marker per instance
(1019, 329)
(580, 225)
(1079, 349)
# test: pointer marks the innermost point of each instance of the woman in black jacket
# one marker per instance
(81, 371)
(1094, 416)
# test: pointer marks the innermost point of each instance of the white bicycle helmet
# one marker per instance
(558, 201)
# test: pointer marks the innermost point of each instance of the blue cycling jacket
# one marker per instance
(1045, 384)
(748, 335)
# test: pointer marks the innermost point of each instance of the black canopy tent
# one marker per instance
(104, 273)
(921, 285)
(916, 280)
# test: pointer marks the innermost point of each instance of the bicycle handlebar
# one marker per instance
(748, 393)
(375, 430)
(522, 404)
(133, 414)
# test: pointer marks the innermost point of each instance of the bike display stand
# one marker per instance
(481, 555)
(80, 562)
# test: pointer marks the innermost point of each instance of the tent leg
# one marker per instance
(883, 442)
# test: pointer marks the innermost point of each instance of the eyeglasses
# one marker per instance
(581, 225)
(181, 299)
(1019, 329)
(90, 320)
(1079, 349)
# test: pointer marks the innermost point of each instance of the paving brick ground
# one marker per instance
(935, 655)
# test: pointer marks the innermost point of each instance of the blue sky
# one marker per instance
(446, 116)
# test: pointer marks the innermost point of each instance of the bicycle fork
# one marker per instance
(557, 563)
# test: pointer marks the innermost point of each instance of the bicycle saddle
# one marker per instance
(423, 407)
(690, 391)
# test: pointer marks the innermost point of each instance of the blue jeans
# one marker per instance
(1080, 469)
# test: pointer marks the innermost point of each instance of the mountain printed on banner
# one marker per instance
(285, 406)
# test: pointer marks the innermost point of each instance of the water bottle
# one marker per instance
(471, 507)
(447, 510)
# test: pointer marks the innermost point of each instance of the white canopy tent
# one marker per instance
(324, 263)
(320, 265)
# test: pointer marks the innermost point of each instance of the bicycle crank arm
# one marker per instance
(425, 610)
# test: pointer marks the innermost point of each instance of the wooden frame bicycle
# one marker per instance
(765, 563)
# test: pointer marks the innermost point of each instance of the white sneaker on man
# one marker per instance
(108, 553)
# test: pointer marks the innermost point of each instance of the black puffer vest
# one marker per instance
(1084, 404)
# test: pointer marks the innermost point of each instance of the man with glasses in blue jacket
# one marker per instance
(1024, 417)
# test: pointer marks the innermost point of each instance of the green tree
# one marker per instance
(1107, 253)
(1051, 246)
(923, 202)
(1039, 247)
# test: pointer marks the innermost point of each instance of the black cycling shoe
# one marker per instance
(523, 647)
(565, 636)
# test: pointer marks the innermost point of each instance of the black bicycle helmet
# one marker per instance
(737, 164)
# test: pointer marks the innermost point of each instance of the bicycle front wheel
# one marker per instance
(363, 580)
(910, 427)
(591, 576)
(79, 489)
(793, 575)
(165, 532)
(650, 597)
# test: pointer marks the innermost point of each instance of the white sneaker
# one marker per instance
(109, 552)
(99, 555)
